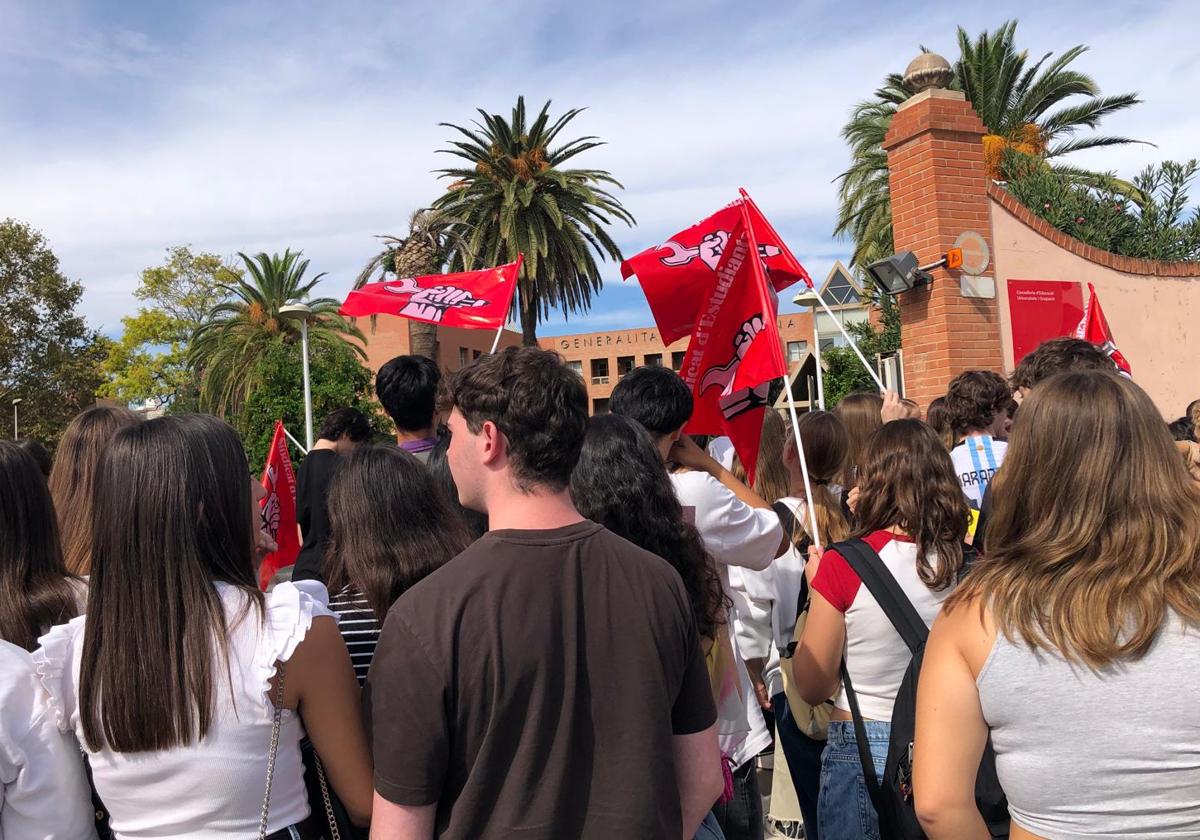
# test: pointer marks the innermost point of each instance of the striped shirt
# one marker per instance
(976, 460)
(358, 626)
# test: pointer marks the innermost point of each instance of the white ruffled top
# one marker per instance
(213, 789)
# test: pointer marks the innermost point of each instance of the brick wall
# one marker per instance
(938, 184)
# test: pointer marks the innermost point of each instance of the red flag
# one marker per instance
(279, 508)
(1093, 327)
(677, 275)
(735, 350)
(472, 299)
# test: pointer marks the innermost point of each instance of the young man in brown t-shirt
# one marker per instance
(548, 682)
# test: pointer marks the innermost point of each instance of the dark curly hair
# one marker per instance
(1056, 356)
(536, 401)
(974, 398)
(621, 482)
(654, 396)
(908, 481)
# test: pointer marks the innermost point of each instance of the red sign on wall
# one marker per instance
(1041, 310)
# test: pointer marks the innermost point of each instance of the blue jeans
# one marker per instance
(709, 829)
(844, 811)
(741, 818)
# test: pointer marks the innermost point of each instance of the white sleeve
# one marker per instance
(734, 533)
(45, 792)
(752, 612)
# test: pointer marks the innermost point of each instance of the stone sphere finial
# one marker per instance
(928, 70)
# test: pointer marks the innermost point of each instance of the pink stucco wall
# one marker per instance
(1155, 320)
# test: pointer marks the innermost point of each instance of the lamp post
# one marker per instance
(16, 428)
(809, 298)
(303, 312)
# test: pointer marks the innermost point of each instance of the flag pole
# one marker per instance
(853, 344)
(808, 497)
(761, 280)
(511, 295)
(297, 443)
(820, 373)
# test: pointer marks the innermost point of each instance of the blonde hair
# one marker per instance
(825, 446)
(73, 478)
(770, 473)
(1095, 528)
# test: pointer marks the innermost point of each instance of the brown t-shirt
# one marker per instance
(532, 685)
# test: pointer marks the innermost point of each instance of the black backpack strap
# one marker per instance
(792, 526)
(908, 623)
(886, 591)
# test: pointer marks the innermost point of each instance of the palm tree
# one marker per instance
(225, 347)
(516, 197)
(423, 251)
(1023, 107)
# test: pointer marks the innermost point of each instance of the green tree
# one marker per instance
(1149, 218)
(339, 380)
(226, 346)
(516, 197)
(423, 251)
(149, 362)
(49, 358)
(844, 372)
(1024, 106)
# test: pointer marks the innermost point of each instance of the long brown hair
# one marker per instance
(826, 445)
(908, 481)
(860, 412)
(173, 495)
(390, 525)
(35, 589)
(1095, 528)
(73, 478)
(770, 473)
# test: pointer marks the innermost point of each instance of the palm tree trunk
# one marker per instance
(422, 340)
(528, 322)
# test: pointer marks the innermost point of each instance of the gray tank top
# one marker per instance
(1083, 754)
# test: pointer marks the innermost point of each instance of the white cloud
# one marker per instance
(260, 129)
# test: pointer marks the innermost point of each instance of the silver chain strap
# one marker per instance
(276, 720)
(335, 834)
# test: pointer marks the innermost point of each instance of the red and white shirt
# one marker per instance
(876, 656)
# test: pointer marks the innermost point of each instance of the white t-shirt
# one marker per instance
(876, 655)
(43, 791)
(736, 535)
(211, 789)
(721, 450)
(976, 460)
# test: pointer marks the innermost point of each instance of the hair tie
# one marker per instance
(818, 482)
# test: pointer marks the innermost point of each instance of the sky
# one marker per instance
(130, 126)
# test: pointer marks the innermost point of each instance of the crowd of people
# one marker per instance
(519, 621)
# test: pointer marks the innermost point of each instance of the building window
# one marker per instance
(600, 405)
(653, 359)
(796, 350)
(462, 357)
(625, 365)
(576, 366)
(677, 359)
(599, 371)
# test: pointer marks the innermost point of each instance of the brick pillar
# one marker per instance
(939, 189)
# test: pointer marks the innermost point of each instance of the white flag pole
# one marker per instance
(297, 443)
(808, 503)
(496, 343)
(851, 342)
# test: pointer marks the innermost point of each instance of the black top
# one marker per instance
(531, 688)
(312, 483)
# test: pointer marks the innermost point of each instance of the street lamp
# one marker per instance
(16, 430)
(809, 298)
(303, 311)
